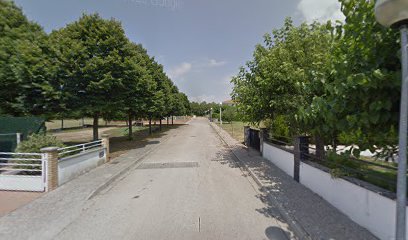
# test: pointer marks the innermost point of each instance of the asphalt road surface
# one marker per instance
(188, 188)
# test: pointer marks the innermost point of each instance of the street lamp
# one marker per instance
(220, 113)
(394, 13)
(211, 114)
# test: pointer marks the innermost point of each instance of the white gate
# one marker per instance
(23, 171)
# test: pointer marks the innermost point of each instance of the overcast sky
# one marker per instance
(201, 43)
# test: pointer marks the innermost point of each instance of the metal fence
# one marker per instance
(79, 148)
(22, 171)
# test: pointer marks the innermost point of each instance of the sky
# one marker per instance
(200, 43)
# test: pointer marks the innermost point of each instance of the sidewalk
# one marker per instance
(46, 216)
(310, 216)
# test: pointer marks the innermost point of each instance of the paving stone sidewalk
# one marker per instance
(46, 216)
(311, 215)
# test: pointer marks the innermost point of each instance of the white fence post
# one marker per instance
(18, 138)
(51, 171)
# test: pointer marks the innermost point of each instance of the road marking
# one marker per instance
(159, 165)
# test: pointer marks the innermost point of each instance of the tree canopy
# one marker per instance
(339, 81)
(87, 68)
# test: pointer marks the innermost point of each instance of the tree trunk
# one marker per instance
(150, 125)
(130, 137)
(172, 120)
(320, 152)
(167, 121)
(95, 126)
(160, 124)
(62, 123)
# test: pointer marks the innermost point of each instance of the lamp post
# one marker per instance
(221, 113)
(394, 13)
(211, 114)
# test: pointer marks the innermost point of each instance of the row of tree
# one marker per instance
(339, 82)
(88, 67)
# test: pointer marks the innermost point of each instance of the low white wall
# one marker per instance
(22, 183)
(367, 208)
(281, 158)
(73, 166)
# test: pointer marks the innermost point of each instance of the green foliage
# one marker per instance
(203, 108)
(285, 73)
(24, 65)
(336, 81)
(343, 165)
(87, 68)
(279, 128)
(35, 142)
(230, 113)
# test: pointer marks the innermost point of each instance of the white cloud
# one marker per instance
(320, 10)
(215, 63)
(180, 70)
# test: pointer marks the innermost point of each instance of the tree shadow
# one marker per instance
(141, 138)
(276, 233)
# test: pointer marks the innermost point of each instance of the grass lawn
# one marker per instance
(77, 123)
(235, 129)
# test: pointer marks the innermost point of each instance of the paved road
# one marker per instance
(189, 188)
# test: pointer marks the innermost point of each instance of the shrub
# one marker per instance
(35, 142)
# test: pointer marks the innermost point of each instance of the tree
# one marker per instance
(285, 73)
(24, 64)
(90, 65)
(138, 85)
(361, 100)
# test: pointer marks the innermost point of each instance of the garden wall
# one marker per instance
(73, 166)
(364, 206)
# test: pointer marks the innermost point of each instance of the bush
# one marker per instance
(35, 142)
(343, 165)
(278, 129)
(230, 114)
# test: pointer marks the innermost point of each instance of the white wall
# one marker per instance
(22, 183)
(73, 166)
(281, 158)
(370, 210)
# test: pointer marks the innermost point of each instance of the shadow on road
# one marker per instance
(120, 145)
(276, 233)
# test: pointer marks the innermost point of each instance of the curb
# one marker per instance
(123, 171)
(297, 228)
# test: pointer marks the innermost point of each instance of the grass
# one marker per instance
(235, 129)
(378, 173)
(71, 124)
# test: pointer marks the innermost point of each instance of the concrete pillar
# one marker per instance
(263, 136)
(301, 154)
(105, 144)
(51, 156)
